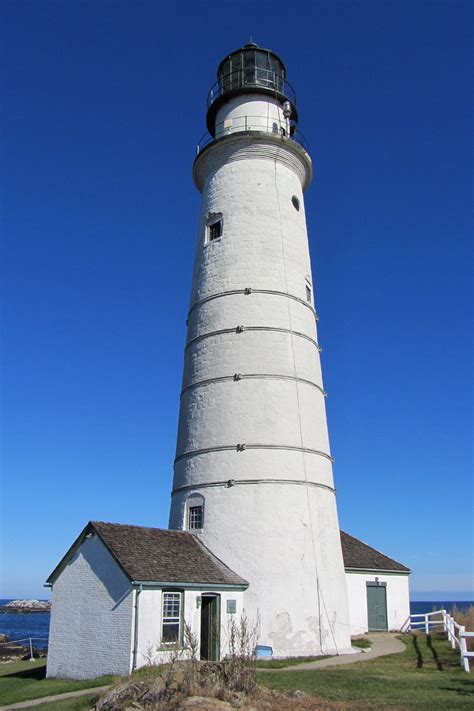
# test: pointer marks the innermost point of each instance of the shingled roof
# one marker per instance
(358, 555)
(157, 555)
(162, 556)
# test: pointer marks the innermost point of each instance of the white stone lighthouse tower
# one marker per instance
(253, 470)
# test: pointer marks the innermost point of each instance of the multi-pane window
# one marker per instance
(195, 517)
(215, 230)
(214, 227)
(171, 625)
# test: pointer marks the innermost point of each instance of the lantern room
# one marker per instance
(251, 93)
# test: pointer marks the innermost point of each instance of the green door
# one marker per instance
(210, 627)
(377, 606)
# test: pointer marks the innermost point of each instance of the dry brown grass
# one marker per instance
(462, 617)
(465, 617)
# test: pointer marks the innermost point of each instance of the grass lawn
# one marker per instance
(426, 676)
(80, 704)
(362, 643)
(22, 681)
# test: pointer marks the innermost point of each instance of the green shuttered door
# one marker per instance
(377, 607)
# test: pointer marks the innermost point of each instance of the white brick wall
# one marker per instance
(91, 618)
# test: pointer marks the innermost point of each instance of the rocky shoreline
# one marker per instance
(13, 651)
(26, 606)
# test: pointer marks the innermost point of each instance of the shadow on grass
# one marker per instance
(462, 692)
(419, 658)
(37, 673)
(433, 651)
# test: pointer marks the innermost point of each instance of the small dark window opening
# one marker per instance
(296, 203)
(308, 294)
(195, 517)
(215, 230)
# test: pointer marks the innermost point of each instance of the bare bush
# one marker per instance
(239, 668)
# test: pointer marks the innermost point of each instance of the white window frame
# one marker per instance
(172, 620)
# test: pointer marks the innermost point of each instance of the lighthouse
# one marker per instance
(253, 527)
(253, 470)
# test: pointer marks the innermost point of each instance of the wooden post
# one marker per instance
(427, 625)
(31, 652)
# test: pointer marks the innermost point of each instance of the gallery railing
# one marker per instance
(277, 127)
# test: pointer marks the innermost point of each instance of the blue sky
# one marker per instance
(104, 103)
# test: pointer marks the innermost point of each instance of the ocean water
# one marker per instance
(36, 624)
(20, 626)
(417, 607)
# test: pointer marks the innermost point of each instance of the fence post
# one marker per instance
(463, 649)
(427, 625)
(445, 622)
(31, 652)
(453, 634)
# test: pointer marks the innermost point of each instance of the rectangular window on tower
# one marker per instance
(195, 517)
(309, 295)
(171, 619)
(214, 228)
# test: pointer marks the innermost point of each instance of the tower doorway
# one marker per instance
(377, 606)
(210, 627)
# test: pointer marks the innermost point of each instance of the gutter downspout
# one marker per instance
(135, 630)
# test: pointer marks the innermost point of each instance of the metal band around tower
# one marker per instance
(243, 329)
(251, 376)
(248, 292)
(242, 447)
(229, 483)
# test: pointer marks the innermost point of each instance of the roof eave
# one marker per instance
(383, 571)
(190, 586)
(89, 528)
(67, 556)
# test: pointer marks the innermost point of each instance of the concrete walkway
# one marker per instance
(56, 697)
(383, 643)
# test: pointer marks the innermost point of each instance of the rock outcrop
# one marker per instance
(27, 606)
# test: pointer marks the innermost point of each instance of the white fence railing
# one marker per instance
(457, 634)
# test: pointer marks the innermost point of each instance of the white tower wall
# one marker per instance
(250, 113)
(253, 438)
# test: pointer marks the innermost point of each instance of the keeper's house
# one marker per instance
(123, 596)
